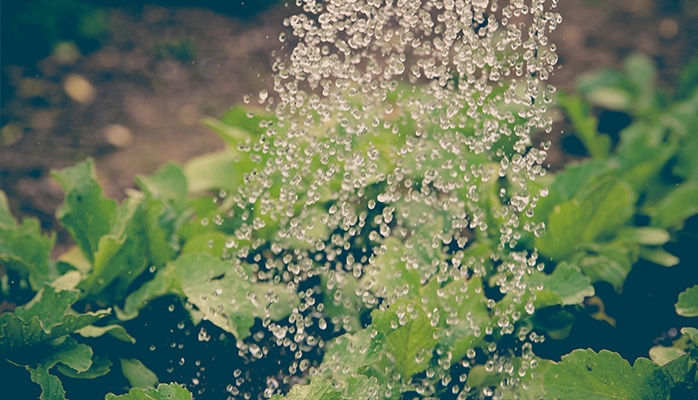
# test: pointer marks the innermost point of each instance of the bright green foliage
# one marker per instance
(584, 374)
(24, 249)
(687, 305)
(170, 391)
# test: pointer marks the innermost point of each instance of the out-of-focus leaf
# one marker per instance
(659, 256)
(171, 391)
(24, 249)
(644, 149)
(48, 316)
(212, 172)
(138, 375)
(585, 123)
(600, 210)
(86, 213)
(677, 206)
(687, 305)
(662, 355)
(584, 374)
(409, 336)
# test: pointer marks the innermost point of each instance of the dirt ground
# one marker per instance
(134, 104)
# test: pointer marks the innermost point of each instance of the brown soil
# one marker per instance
(141, 106)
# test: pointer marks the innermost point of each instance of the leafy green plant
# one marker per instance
(187, 234)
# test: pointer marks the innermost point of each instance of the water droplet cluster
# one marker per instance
(396, 159)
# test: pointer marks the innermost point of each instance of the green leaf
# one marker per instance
(659, 256)
(361, 388)
(86, 213)
(75, 356)
(662, 355)
(138, 375)
(116, 331)
(212, 172)
(352, 353)
(165, 207)
(600, 210)
(171, 391)
(691, 333)
(606, 263)
(51, 386)
(584, 374)
(677, 206)
(48, 316)
(687, 306)
(24, 249)
(585, 123)
(395, 268)
(567, 282)
(409, 336)
(121, 256)
(467, 299)
(682, 370)
(222, 291)
(318, 389)
(166, 281)
(100, 367)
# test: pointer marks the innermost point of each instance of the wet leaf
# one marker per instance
(567, 282)
(687, 306)
(171, 391)
(598, 211)
(584, 374)
(408, 335)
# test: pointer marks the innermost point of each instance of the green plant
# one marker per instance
(430, 276)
